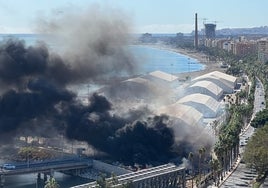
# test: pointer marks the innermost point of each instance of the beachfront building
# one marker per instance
(263, 50)
(244, 48)
(225, 81)
(205, 104)
(183, 114)
(239, 47)
(163, 78)
(147, 89)
(192, 104)
(206, 88)
(131, 89)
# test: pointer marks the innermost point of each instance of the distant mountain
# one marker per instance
(263, 30)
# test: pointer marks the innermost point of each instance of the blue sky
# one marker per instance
(154, 16)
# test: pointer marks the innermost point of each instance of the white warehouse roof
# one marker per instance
(186, 115)
(225, 81)
(163, 76)
(206, 88)
(205, 104)
(134, 88)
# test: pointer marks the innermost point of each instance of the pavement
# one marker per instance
(227, 174)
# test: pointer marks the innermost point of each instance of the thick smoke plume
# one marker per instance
(35, 95)
(93, 41)
(139, 141)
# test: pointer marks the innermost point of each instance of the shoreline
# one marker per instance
(209, 66)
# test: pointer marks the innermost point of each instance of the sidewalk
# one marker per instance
(236, 163)
(227, 174)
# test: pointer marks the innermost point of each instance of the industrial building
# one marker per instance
(189, 104)
(132, 89)
(227, 82)
(205, 104)
(206, 88)
(183, 114)
(150, 87)
(163, 78)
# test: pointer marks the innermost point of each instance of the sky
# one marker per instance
(152, 16)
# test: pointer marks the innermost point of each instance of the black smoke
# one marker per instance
(140, 141)
(35, 96)
(34, 93)
(144, 142)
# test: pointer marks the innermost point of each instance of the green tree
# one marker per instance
(260, 119)
(201, 153)
(256, 152)
(215, 167)
(102, 182)
(128, 185)
(51, 183)
(190, 158)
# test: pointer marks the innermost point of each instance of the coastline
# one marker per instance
(202, 58)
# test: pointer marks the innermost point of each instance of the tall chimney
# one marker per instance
(196, 33)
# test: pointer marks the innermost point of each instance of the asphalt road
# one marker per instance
(243, 176)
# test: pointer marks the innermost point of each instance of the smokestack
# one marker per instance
(196, 33)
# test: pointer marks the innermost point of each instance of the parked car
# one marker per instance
(8, 166)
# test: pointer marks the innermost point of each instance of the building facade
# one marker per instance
(263, 50)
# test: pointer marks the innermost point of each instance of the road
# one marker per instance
(242, 176)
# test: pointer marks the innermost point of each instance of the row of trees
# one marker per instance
(256, 152)
(34, 153)
(201, 153)
(227, 146)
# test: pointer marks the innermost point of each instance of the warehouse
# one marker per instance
(206, 88)
(205, 104)
(185, 115)
(227, 82)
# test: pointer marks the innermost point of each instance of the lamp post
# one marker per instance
(28, 160)
(188, 65)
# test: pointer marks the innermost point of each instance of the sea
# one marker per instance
(156, 58)
(151, 58)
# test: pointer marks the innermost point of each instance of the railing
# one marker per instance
(47, 165)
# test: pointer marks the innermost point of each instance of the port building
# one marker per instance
(205, 104)
(183, 114)
(227, 82)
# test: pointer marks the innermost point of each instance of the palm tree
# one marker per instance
(190, 158)
(215, 167)
(51, 183)
(102, 182)
(201, 152)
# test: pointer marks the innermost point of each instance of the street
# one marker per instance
(243, 176)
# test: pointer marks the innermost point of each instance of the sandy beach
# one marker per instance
(203, 59)
(200, 57)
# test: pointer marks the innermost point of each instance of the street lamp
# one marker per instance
(28, 160)
(188, 65)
